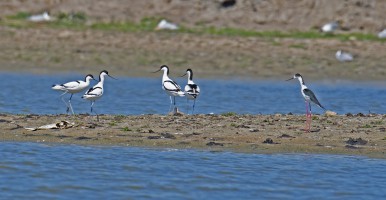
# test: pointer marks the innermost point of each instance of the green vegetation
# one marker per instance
(19, 16)
(78, 21)
(119, 118)
(365, 126)
(112, 123)
(227, 114)
(377, 122)
(126, 129)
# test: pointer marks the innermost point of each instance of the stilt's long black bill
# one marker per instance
(290, 79)
(183, 75)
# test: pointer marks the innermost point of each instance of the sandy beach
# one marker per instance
(343, 134)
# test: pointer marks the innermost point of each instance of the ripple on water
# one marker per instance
(102, 172)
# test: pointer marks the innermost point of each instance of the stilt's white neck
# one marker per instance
(300, 79)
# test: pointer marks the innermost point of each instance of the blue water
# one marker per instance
(47, 171)
(23, 93)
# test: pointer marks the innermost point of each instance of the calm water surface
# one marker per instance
(45, 171)
(23, 93)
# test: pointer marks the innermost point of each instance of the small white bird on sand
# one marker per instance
(382, 34)
(40, 18)
(170, 87)
(192, 90)
(96, 92)
(344, 56)
(72, 88)
(163, 24)
(330, 27)
(309, 97)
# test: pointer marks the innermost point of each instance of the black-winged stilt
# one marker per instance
(309, 97)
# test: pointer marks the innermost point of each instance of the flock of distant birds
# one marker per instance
(328, 28)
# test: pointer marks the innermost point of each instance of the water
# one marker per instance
(47, 171)
(23, 93)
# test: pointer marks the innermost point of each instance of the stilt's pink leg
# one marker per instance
(307, 118)
(309, 125)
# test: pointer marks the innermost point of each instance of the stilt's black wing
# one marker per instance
(313, 98)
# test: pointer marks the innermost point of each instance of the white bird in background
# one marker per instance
(40, 18)
(96, 92)
(382, 34)
(330, 27)
(192, 90)
(309, 97)
(72, 88)
(163, 24)
(344, 56)
(170, 87)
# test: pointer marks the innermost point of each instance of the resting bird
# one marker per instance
(329, 27)
(344, 56)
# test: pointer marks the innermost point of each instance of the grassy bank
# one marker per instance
(80, 21)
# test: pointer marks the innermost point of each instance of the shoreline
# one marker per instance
(362, 135)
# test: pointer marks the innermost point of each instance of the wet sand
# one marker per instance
(343, 134)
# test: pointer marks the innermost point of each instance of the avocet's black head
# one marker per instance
(163, 68)
(189, 72)
(89, 76)
(105, 72)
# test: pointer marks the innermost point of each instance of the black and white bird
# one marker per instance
(309, 97)
(192, 91)
(344, 56)
(170, 87)
(72, 88)
(96, 91)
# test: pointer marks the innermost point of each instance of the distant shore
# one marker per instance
(343, 134)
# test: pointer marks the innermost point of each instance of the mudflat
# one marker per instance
(42, 48)
(340, 134)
